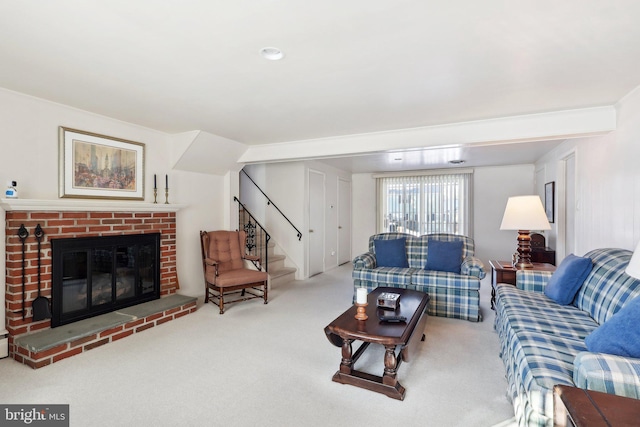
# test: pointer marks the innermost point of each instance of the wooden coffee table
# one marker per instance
(395, 337)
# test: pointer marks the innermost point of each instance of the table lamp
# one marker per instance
(524, 213)
(633, 268)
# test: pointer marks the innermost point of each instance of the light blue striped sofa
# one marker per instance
(543, 343)
(452, 295)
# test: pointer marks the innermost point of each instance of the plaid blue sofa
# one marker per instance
(452, 295)
(542, 342)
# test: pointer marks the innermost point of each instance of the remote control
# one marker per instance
(392, 319)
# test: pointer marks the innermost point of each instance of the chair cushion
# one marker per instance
(534, 311)
(444, 256)
(241, 276)
(389, 276)
(567, 279)
(619, 335)
(444, 279)
(391, 253)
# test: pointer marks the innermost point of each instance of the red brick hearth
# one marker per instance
(68, 224)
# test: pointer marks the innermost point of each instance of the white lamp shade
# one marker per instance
(524, 213)
(633, 269)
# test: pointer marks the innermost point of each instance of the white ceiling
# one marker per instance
(440, 157)
(350, 67)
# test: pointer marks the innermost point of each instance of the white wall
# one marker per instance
(284, 184)
(202, 195)
(492, 187)
(363, 193)
(30, 157)
(607, 211)
(249, 194)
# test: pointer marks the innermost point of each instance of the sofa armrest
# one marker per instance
(533, 281)
(366, 260)
(607, 373)
(472, 266)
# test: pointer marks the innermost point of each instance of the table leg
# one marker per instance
(390, 366)
(493, 297)
(346, 364)
(388, 384)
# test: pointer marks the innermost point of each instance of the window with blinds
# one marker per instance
(425, 204)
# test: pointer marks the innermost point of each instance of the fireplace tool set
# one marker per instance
(41, 305)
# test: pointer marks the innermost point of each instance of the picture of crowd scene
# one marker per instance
(101, 166)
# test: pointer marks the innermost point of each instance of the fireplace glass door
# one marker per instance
(97, 275)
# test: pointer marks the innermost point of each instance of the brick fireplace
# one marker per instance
(70, 223)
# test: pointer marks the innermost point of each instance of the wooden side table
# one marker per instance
(504, 272)
(576, 407)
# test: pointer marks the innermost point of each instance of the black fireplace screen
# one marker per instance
(97, 275)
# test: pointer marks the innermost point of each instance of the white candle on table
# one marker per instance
(361, 296)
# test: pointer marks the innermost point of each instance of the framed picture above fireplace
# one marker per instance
(99, 166)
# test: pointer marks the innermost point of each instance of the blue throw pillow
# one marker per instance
(444, 256)
(620, 334)
(391, 253)
(567, 279)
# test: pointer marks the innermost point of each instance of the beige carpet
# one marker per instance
(270, 365)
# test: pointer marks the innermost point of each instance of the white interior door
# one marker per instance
(316, 222)
(567, 205)
(344, 221)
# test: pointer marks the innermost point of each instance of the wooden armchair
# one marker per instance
(225, 274)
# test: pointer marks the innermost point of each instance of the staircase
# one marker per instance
(258, 239)
(278, 273)
(260, 244)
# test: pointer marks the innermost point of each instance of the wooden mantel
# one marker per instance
(88, 205)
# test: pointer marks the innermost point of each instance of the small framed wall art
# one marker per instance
(99, 166)
(549, 194)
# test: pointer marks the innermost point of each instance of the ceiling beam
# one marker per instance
(507, 130)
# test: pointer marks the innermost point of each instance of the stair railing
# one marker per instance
(257, 237)
(270, 202)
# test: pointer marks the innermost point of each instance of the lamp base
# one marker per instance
(523, 260)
